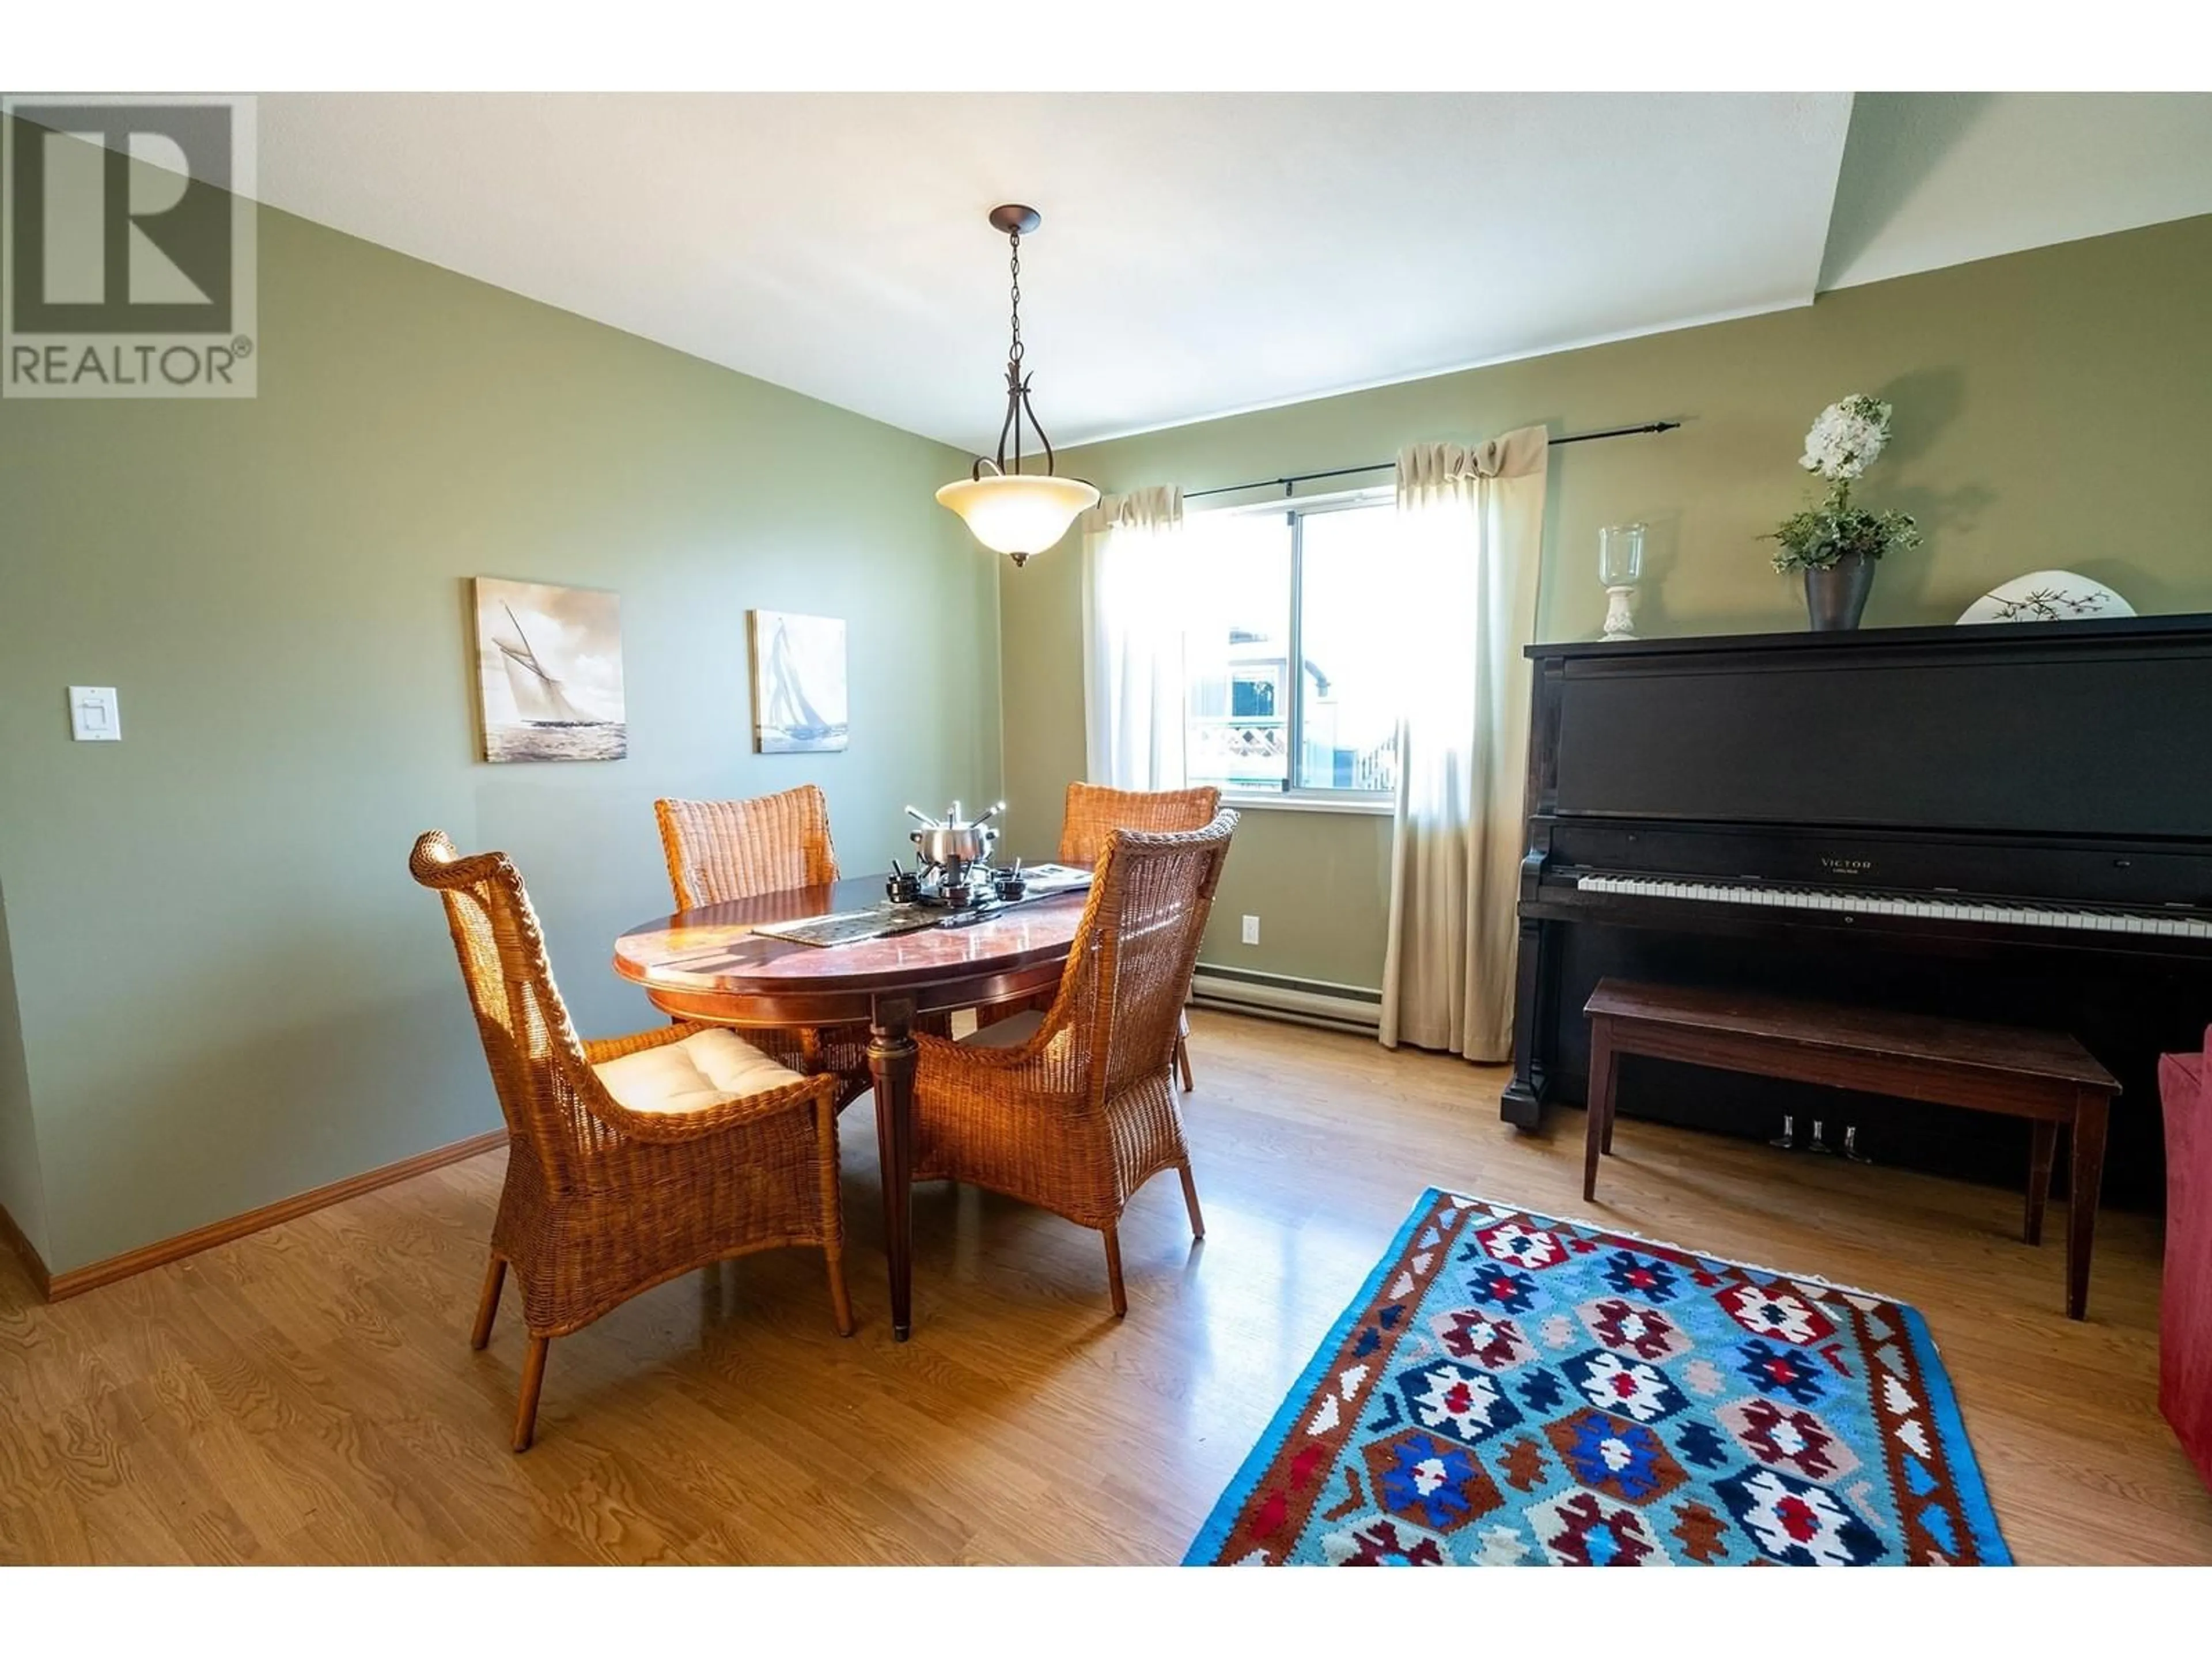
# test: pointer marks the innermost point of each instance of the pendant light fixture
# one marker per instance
(1012, 512)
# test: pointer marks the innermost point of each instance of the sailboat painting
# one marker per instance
(798, 683)
(550, 661)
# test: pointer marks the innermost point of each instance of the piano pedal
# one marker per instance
(1851, 1145)
(1818, 1144)
(1787, 1140)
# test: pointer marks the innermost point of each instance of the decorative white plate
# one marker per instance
(2047, 596)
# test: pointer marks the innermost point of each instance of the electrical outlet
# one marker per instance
(1251, 930)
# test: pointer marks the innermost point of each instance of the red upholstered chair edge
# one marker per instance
(2185, 1349)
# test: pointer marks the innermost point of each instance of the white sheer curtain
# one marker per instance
(1132, 640)
(1470, 528)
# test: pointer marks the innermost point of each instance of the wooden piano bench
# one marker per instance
(2048, 1079)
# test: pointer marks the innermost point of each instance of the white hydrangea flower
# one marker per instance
(1847, 438)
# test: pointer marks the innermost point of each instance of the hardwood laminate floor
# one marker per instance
(309, 1394)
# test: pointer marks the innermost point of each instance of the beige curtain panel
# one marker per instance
(1132, 640)
(1470, 530)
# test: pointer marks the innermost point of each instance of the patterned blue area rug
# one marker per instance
(1509, 1389)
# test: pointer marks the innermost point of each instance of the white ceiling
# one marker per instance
(1202, 253)
(1937, 178)
(1199, 253)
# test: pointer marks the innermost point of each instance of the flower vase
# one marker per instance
(1836, 594)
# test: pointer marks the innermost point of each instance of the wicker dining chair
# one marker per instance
(1073, 1108)
(1095, 812)
(630, 1160)
(721, 850)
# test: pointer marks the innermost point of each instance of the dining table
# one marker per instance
(713, 966)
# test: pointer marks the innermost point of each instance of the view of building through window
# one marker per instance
(1274, 588)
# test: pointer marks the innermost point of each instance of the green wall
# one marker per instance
(21, 1192)
(2054, 409)
(229, 991)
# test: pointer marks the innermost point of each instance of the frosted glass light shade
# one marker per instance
(1020, 514)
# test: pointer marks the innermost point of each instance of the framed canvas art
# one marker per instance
(798, 683)
(549, 662)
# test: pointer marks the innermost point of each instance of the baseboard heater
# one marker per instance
(1278, 996)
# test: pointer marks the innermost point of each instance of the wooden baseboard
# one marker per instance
(34, 1264)
(55, 1287)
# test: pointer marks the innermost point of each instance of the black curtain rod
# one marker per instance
(1297, 478)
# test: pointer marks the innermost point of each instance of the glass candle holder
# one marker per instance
(1620, 554)
(1619, 567)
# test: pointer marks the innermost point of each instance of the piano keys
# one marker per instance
(2182, 923)
(2009, 823)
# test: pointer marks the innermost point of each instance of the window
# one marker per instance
(1289, 665)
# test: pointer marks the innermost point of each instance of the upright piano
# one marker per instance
(2009, 823)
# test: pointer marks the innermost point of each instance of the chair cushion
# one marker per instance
(1009, 1033)
(704, 1069)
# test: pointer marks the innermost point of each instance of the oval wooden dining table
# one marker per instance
(709, 965)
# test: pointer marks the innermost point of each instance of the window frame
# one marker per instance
(1292, 795)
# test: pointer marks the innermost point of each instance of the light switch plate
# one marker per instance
(1251, 930)
(95, 715)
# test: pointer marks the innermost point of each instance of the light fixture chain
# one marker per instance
(1017, 513)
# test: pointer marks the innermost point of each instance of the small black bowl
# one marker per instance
(903, 888)
(1009, 885)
